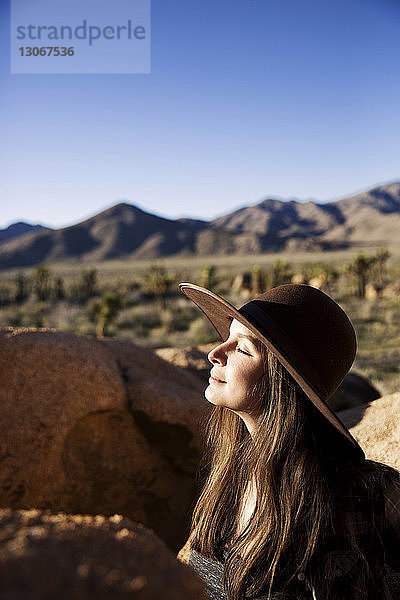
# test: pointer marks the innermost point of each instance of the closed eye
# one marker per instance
(243, 351)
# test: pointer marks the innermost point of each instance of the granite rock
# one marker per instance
(97, 427)
(44, 556)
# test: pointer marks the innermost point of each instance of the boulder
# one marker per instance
(319, 281)
(44, 556)
(376, 427)
(299, 278)
(191, 358)
(392, 290)
(242, 282)
(373, 291)
(98, 427)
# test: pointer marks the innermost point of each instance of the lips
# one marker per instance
(213, 378)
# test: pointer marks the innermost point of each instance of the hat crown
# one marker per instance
(317, 330)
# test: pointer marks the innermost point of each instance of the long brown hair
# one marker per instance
(299, 466)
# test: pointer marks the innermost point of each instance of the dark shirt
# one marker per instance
(211, 572)
(340, 565)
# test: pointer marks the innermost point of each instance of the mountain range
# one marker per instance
(370, 218)
(17, 229)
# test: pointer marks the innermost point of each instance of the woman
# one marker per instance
(290, 508)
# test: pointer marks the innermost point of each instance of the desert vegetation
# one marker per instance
(140, 300)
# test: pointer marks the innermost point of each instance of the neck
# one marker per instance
(250, 420)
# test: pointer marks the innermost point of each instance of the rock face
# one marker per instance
(45, 556)
(193, 359)
(376, 427)
(97, 427)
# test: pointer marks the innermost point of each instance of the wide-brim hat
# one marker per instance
(302, 326)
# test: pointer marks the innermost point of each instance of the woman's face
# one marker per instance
(237, 366)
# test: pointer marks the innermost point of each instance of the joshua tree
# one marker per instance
(361, 268)
(256, 280)
(104, 311)
(208, 277)
(158, 282)
(85, 287)
(88, 283)
(22, 287)
(58, 290)
(41, 283)
(279, 273)
(6, 295)
(381, 257)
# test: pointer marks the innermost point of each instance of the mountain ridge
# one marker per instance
(127, 231)
(17, 229)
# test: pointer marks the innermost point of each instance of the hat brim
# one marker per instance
(220, 313)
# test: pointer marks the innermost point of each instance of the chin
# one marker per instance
(209, 396)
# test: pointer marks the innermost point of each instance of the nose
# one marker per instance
(217, 355)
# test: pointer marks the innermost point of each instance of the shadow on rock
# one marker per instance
(376, 427)
(355, 390)
(45, 556)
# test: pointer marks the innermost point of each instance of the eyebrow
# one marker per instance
(251, 339)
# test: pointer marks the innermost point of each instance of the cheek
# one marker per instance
(248, 378)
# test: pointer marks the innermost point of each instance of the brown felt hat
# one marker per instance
(303, 327)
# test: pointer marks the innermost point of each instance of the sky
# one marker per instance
(246, 99)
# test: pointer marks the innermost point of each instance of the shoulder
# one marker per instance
(382, 486)
(379, 472)
(392, 506)
(385, 482)
(391, 532)
(373, 479)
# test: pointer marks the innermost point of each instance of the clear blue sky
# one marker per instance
(246, 99)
